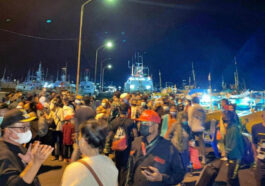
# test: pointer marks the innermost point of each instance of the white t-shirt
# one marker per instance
(77, 174)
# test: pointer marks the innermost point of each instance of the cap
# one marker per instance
(150, 115)
(14, 116)
(79, 97)
(123, 95)
(68, 117)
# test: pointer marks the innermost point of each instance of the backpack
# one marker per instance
(248, 155)
(119, 142)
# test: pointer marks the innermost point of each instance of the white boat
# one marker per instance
(139, 81)
(87, 87)
(32, 82)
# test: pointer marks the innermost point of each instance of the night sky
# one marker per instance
(171, 33)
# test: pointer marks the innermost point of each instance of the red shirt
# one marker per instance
(68, 130)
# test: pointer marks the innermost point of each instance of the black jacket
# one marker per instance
(160, 154)
(11, 165)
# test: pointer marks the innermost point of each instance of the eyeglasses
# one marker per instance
(24, 129)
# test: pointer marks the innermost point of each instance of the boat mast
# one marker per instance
(236, 76)
(46, 76)
(3, 77)
(28, 76)
(223, 83)
(210, 91)
(57, 77)
(193, 74)
(39, 74)
(160, 80)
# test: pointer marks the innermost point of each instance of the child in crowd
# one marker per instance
(68, 130)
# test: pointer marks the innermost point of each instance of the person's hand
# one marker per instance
(42, 153)
(152, 176)
(26, 158)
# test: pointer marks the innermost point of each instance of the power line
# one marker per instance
(38, 37)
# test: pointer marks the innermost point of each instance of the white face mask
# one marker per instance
(77, 101)
(24, 137)
(143, 104)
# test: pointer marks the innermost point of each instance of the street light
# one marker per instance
(101, 68)
(109, 45)
(80, 40)
(103, 71)
(79, 44)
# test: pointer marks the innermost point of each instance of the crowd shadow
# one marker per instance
(47, 168)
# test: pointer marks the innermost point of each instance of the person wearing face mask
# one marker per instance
(56, 116)
(153, 160)
(94, 168)
(134, 109)
(103, 111)
(20, 166)
(168, 120)
(196, 121)
(124, 98)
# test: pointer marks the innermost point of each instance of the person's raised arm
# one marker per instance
(31, 170)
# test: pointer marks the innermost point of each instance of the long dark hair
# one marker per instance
(94, 132)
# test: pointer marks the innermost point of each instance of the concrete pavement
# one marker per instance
(51, 172)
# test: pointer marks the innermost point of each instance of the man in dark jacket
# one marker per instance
(19, 166)
(153, 160)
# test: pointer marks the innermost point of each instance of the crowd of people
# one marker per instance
(129, 139)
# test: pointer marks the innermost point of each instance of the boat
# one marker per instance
(6, 83)
(87, 87)
(32, 82)
(139, 81)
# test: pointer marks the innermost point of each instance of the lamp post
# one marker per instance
(79, 44)
(101, 68)
(103, 71)
(109, 44)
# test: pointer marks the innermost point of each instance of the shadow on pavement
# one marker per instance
(46, 168)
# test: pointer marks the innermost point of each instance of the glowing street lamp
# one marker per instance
(108, 45)
(108, 67)
(101, 68)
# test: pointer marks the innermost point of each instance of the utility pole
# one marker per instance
(79, 44)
